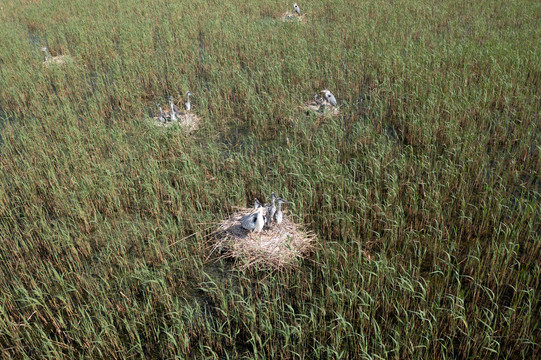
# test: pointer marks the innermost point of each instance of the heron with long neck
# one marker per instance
(278, 216)
(161, 115)
(174, 109)
(271, 209)
(187, 104)
(46, 53)
(330, 97)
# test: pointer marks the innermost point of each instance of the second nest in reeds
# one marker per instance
(277, 246)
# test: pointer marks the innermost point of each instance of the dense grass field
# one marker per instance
(424, 193)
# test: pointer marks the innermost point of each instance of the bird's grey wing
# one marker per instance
(248, 222)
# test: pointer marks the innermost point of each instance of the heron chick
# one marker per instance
(174, 109)
(278, 216)
(187, 104)
(254, 221)
(297, 9)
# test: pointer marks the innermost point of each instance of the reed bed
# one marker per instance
(424, 192)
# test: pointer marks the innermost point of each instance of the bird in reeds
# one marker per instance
(255, 220)
(330, 97)
(187, 104)
(174, 109)
(319, 101)
(278, 215)
(271, 209)
(161, 115)
(297, 9)
(46, 53)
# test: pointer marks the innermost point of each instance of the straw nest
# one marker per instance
(187, 120)
(292, 17)
(58, 60)
(321, 110)
(277, 246)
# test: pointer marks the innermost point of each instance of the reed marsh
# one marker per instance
(423, 194)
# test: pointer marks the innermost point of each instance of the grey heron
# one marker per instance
(187, 104)
(271, 209)
(255, 220)
(297, 9)
(174, 109)
(161, 115)
(319, 101)
(278, 216)
(46, 53)
(330, 97)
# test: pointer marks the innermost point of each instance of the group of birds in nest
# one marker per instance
(289, 16)
(173, 114)
(273, 213)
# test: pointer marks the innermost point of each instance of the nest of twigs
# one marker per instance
(187, 120)
(292, 17)
(277, 246)
(58, 60)
(321, 110)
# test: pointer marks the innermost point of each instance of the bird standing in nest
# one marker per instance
(278, 216)
(318, 101)
(187, 104)
(271, 210)
(174, 109)
(297, 9)
(161, 115)
(330, 97)
(255, 220)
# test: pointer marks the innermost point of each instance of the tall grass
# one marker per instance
(424, 192)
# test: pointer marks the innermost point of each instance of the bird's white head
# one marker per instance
(188, 94)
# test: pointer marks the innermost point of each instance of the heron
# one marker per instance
(48, 56)
(297, 9)
(319, 101)
(278, 216)
(187, 104)
(255, 220)
(271, 209)
(174, 109)
(330, 97)
(161, 115)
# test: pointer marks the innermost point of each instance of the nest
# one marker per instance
(321, 110)
(292, 17)
(187, 120)
(277, 246)
(58, 60)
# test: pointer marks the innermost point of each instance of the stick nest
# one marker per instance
(187, 120)
(321, 110)
(58, 60)
(292, 17)
(277, 246)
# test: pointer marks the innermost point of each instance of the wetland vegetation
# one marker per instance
(424, 192)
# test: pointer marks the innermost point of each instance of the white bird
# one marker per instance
(330, 97)
(174, 109)
(254, 221)
(161, 115)
(48, 56)
(297, 9)
(271, 209)
(187, 104)
(278, 216)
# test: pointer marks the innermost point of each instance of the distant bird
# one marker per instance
(187, 104)
(278, 216)
(271, 209)
(161, 115)
(297, 9)
(319, 101)
(330, 97)
(174, 109)
(257, 204)
(46, 53)
(255, 220)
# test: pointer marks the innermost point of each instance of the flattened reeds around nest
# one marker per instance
(277, 246)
